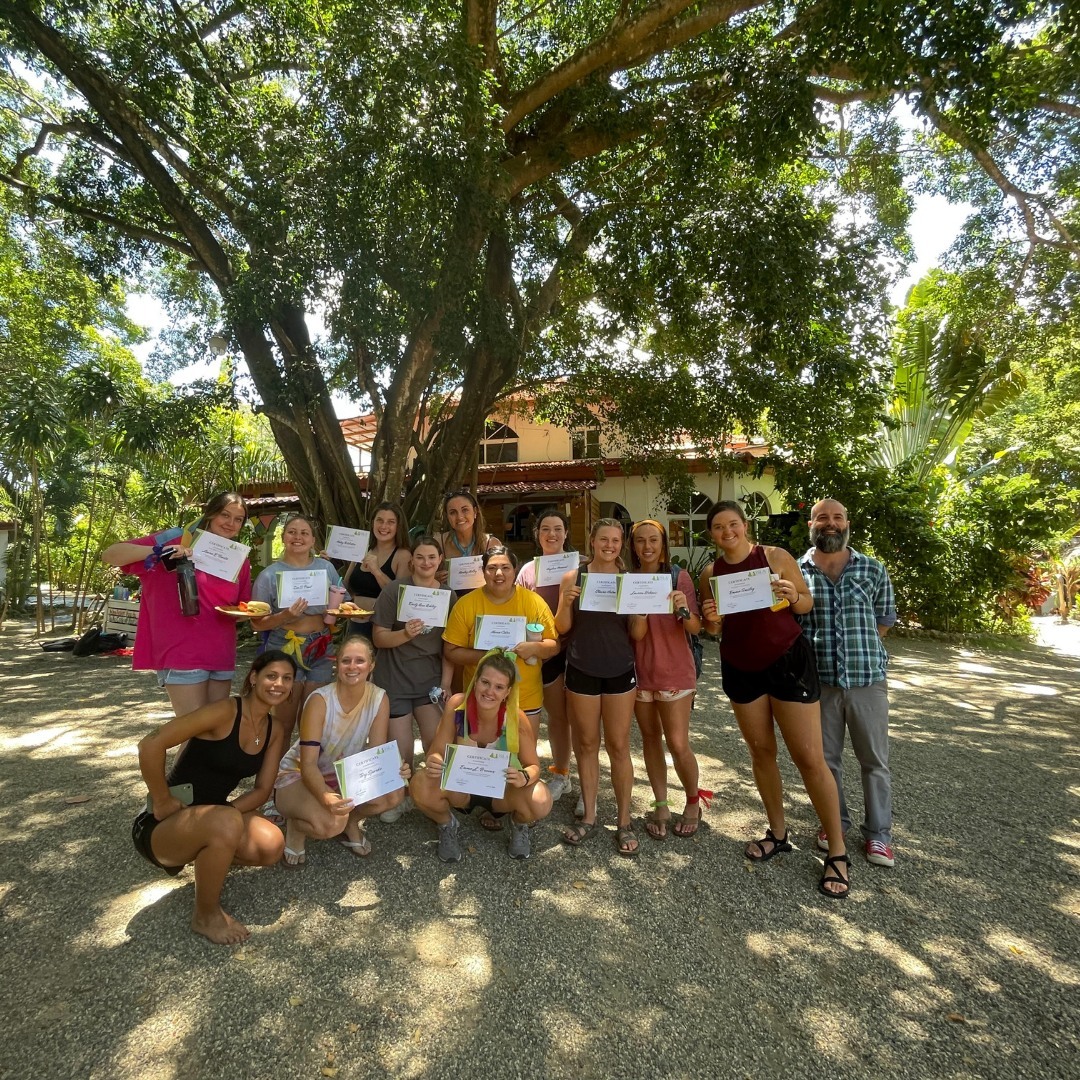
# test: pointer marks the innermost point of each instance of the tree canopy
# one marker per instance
(478, 196)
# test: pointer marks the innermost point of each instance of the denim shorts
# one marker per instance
(178, 677)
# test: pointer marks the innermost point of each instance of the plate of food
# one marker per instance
(246, 609)
(349, 610)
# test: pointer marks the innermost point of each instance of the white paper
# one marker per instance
(466, 572)
(348, 544)
(549, 569)
(644, 594)
(748, 590)
(475, 770)
(310, 585)
(217, 556)
(599, 592)
(498, 631)
(370, 774)
(431, 605)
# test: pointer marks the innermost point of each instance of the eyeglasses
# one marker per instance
(498, 569)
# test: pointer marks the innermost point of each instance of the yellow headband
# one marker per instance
(647, 521)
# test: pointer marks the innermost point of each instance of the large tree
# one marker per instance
(475, 195)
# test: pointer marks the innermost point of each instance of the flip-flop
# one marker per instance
(686, 827)
(623, 835)
(491, 821)
(361, 847)
(657, 827)
(293, 860)
(575, 835)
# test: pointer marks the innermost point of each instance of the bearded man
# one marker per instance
(853, 610)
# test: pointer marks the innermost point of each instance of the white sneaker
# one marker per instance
(403, 807)
(558, 786)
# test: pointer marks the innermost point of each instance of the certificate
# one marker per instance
(644, 594)
(745, 591)
(466, 572)
(549, 569)
(599, 592)
(431, 605)
(370, 774)
(309, 585)
(475, 770)
(349, 544)
(218, 557)
(498, 631)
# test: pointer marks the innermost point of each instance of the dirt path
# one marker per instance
(964, 961)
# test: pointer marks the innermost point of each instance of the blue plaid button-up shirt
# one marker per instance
(843, 624)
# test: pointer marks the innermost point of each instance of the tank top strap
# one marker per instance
(234, 735)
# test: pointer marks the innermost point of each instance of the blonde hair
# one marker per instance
(607, 523)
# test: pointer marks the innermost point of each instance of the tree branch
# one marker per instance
(626, 43)
(128, 228)
(1024, 200)
(109, 101)
(480, 16)
(1066, 108)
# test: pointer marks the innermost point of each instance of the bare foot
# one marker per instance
(220, 928)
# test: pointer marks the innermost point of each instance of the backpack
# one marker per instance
(96, 641)
(697, 650)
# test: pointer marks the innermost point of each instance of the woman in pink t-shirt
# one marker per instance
(194, 655)
(666, 683)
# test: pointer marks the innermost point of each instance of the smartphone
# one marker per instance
(185, 793)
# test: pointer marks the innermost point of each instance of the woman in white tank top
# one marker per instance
(338, 720)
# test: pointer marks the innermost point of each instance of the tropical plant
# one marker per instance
(944, 380)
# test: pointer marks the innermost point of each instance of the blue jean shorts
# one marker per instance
(177, 677)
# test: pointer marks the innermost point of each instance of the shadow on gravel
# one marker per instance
(687, 961)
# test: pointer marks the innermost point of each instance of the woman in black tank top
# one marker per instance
(189, 818)
(387, 558)
(600, 687)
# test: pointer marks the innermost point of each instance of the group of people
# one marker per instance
(812, 665)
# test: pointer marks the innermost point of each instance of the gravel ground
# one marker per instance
(963, 961)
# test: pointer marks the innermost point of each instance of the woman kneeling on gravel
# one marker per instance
(349, 715)
(189, 818)
(486, 715)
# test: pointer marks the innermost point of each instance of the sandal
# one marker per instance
(765, 854)
(832, 863)
(686, 827)
(360, 848)
(575, 835)
(294, 859)
(492, 821)
(657, 826)
(625, 835)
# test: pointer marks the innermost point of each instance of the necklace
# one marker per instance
(464, 550)
(251, 720)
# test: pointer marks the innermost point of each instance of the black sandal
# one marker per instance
(777, 846)
(833, 863)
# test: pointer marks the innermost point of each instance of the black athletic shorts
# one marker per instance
(577, 682)
(141, 829)
(551, 669)
(474, 801)
(792, 677)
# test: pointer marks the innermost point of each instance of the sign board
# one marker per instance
(121, 617)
